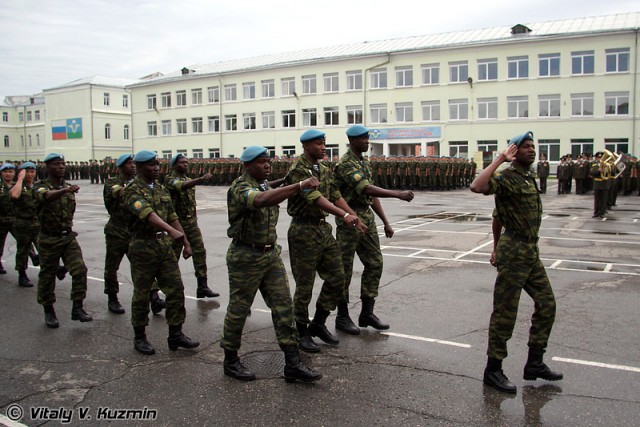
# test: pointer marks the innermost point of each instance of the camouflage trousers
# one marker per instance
(251, 271)
(367, 246)
(52, 249)
(153, 259)
(5, 228)
(199, 257)
(117, 248)
(313, 248)
(26, 235)
(519, 267)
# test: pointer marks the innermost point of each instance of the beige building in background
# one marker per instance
(22, 127)
(574, 83)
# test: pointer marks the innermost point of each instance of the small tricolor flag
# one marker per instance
(66, 129)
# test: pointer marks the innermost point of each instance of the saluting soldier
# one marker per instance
(56, 206)
(519, 211)
(151, 253)
(312, 247)
(183, 194)
(26, 225)
(254, 264)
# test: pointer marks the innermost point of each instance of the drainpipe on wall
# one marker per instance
(635, 148)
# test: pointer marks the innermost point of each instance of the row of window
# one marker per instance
(582, 105)
(106, 100)
(331, 151)
(582, 63)
(31, 116)
(7, 141)
(107, 131)
(550, 147)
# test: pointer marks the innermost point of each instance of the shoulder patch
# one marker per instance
(42, 189)
(175, 181)
(357, 177)
(250, 192)
(137, 205)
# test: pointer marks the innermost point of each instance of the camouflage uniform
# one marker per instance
(151, 253)
(26, 226)
(254, 263)
(7, 216)
(184, 202)
(312, 246)
(57, 240)
(352, 176)
(519, 209)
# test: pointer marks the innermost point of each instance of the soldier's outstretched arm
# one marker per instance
(277, 195)
(373, 191)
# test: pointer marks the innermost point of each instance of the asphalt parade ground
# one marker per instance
(436, 293)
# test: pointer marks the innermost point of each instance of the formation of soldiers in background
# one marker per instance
(398, 173)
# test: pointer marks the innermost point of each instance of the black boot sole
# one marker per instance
(304, 380)
(176, 346)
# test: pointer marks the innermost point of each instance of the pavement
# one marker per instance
(436, 293)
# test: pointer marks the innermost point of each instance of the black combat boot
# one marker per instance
(494, 377)
(78, 313)
(114, 305)
(157, 303)
(294, 369)
(177, 339)
(234, 368)
(2, 270)
(61, 272)
(23, 280)
(536, 368)
(367, 318)
(140, 342)
(344, 322)
(306, 343)
(35, 258)
(317, 328)
(203, 290)
(50, 317)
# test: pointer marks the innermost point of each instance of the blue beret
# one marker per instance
(27, 165)
(145, 156)
(7, 166)
(175, 159)
(53, 156)
(251, 153)
(311, 135)
(356, 131)
(123, 159)
(519, 139)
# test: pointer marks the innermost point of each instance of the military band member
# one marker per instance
(254, 264)
(151, 253)
(56, 240)
(183, 194)
(519, 211)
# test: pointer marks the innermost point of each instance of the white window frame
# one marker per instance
(107, 133)
(106, 99)
(404, 112)
(166, 127)
(268, 120)
(309, 85)
(288, 118)
(213, 124)
(404, 76)
(331, 82)
(458, 72)
(331, 116)
(429, 110)
(249, 90)
(288, 85)
(487, 69)
(550, 61)
(213, 94)
(487, 108)
(459, 109)
(197, 153)
(309, 117)
(230, 122)
(249, 121)
(125, 134)
(379, 78)
(166, 99)
(152, 128)
(378, 113)
(268, 88)
(518, 67)
(549, 103)
(151, 102)
(196, 96)
(617, 101)
(354, 80)
(518, 107)
(459, 149)
(580, 60)
(125, 101)
(230, 92)
(617, 60)
(354, 114)
(196, 125)
(430, 74)
(582, 101)
(181, 98)
(181, 126)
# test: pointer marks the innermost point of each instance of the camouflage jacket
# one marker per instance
(184, 201)
(26, 208)
(303, 204)
(352, 175)
(248, 224)
(57, 215)
(119, 215)
(142, 200)
(6, 206)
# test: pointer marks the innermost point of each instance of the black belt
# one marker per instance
(257, 248)
(154, 235)
(308, 221)
(521, 238)
(359, 208)
(58, 233)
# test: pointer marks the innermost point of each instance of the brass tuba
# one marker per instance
(614, 162)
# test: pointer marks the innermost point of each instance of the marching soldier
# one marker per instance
(7, 214)
(56, 207)
(183, 195)
(151, 254)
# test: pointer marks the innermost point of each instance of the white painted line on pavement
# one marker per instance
(433, 340)
(597, 364)
(477, 248)
(608, 267)
(8, 422)
(555, 264)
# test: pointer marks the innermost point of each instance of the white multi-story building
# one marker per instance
(22, 128)
(574, 83)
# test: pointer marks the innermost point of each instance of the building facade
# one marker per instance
(22, 128)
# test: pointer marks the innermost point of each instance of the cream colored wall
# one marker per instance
(20, 149)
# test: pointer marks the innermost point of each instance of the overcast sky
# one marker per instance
(46, 43)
